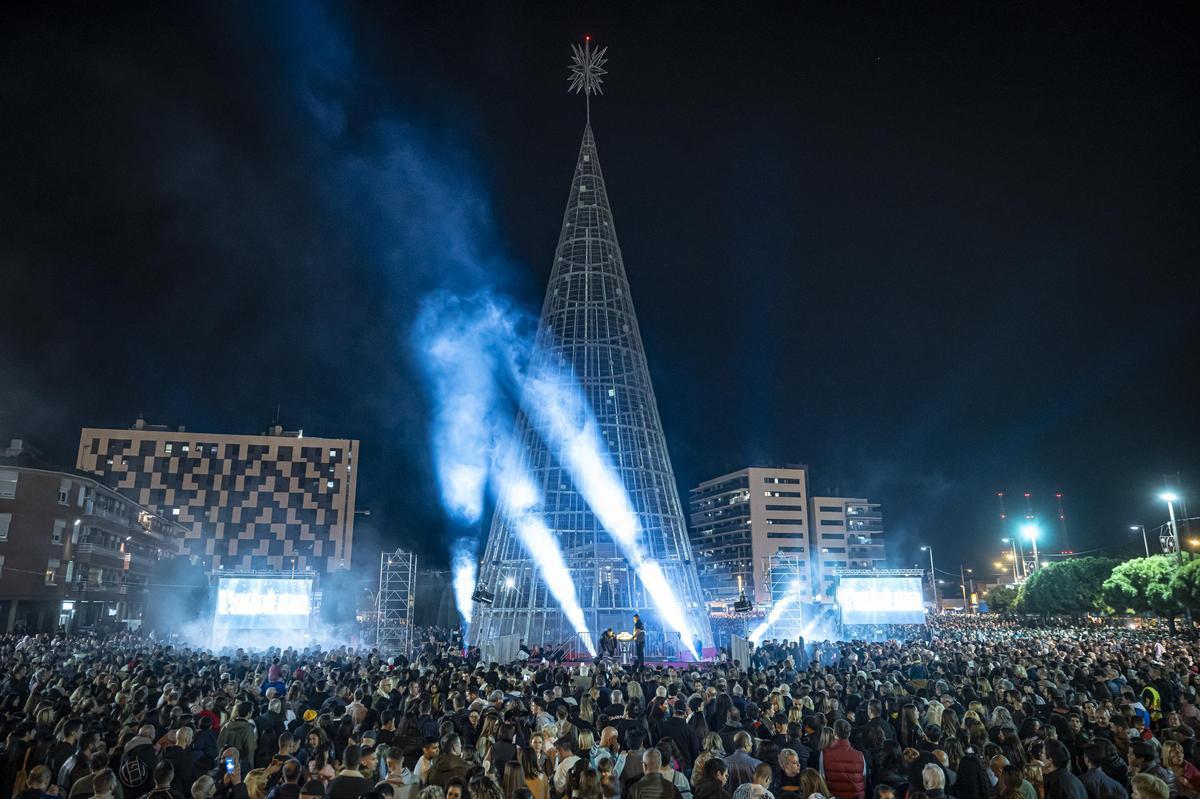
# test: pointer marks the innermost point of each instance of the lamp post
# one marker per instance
(1016, 559)
(1145, 541)
(937, 599)
(1170, 497)
(963, 584)
(1030, 531)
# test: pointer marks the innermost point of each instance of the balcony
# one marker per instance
(95, 589)
(89, 549)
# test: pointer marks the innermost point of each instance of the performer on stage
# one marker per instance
(608, 646)
(639, 642)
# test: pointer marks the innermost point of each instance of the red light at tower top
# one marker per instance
(1026, 495)
(587, 37)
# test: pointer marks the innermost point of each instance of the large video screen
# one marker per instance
(881, 600)
(253, 603)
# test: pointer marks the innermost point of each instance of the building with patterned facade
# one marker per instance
(73, 552)
(278, 501)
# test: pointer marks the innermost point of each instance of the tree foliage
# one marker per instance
(1144, 585)
(1068, 587)
(1185, 583)
(1001, 599)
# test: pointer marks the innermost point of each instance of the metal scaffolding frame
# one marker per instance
(588, 333)
(790, 581)
(394, 602)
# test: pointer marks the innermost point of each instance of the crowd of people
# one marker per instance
(980, 709)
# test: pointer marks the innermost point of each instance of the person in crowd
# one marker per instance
(349, 782)
(759, 786)
(712, 783)
(842, 766)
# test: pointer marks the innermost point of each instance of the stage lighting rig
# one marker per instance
(482, 595)
(743, 605)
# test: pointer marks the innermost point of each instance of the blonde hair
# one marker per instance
(586, 740)
(1170, 748)
(256, 783)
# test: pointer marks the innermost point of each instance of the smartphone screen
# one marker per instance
(229, 765)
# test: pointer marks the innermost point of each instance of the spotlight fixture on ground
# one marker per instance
(482, 595)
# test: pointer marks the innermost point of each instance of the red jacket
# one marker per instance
(845, 770)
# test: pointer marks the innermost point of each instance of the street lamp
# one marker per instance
(1017, 564)
(963, 584)
(937, 599)
(1030, 531)
(1145, 542)
(1170, 497)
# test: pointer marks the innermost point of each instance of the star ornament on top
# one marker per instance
(587, 68)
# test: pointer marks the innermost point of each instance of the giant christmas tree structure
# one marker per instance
(588, 329)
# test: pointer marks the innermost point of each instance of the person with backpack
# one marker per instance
(136, 769)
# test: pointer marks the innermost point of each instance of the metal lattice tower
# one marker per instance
(394, 602)
(588, 328)
(790, 590)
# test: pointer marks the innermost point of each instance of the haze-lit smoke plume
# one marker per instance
(521, 501)
(478, 358)
(559, 409)
(465, 572)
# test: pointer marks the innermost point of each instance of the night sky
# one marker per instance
(932, 252)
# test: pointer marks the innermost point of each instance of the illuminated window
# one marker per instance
(329, 484)
(169, 446)
(51, 571)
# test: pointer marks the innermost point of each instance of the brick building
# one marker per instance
(73, 552)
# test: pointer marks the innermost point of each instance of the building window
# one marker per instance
(785, 535)
(64, 492)
(795, 494)
(51, 571)
(796, 508)
(5, 523)
(792, 522)
(169, 446)
(8, 483)
(60, 526)
(832, 523)
(830, 509)
(329, 483)
(785, 480)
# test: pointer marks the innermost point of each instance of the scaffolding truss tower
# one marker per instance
(394, 602)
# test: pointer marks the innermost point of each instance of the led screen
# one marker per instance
(881, 600)
(250, 603)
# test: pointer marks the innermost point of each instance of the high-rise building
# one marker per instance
(73, 552)
(278, 501)
(849, 533)
(739, 521)
(588, 328)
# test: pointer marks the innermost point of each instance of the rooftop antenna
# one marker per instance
(1062, 522)
(1003, 514)
(587, 71)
